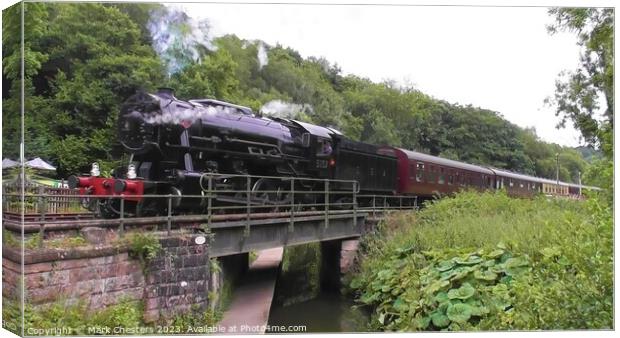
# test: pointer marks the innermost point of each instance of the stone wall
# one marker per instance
(173, 282)
(178, 279)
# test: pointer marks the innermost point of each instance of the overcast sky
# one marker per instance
(497, 58)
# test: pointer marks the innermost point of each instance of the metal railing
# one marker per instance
(296, 197)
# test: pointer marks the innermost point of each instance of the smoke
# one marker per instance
(177, 116)
(177, 38)
(263, 60)
(187, 115)
(278, 108)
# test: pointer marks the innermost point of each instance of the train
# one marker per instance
(174, 145)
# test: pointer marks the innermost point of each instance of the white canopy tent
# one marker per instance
(8, 163)
(38, 163)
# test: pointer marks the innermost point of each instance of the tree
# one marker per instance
(87, 60)
(579, 93)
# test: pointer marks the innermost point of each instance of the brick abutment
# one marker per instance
(181, 276)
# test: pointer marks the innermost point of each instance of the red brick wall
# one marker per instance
(177, 279)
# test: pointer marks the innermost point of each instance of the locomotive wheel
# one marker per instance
(270, 192)
(267, 190)
(106, 210)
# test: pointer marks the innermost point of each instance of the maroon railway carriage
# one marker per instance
(426, 176)
(517, 184)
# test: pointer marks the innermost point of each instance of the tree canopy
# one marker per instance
(583, 93)
(84, 59)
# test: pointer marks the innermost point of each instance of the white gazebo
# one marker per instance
(8, 163)
(38, 163)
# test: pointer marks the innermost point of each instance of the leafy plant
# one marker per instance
(486, 261)
(144, 246)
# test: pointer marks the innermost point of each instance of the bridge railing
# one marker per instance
(223, 197)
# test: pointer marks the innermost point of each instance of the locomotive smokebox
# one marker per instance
(134, 131)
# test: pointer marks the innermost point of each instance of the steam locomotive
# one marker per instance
(174, 145)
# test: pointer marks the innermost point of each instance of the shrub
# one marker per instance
(144, 246)
(487, 261)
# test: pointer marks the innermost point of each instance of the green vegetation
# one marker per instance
(196, 318)
(144, 246)
(84, 60)
(579, 93)
(298, 279)
(73, 317)
(34, 241)
(490, 262)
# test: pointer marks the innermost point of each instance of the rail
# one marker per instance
(294, 197)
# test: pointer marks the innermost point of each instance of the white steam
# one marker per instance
(278, 108)
(263, 59)
(178, 38)
(190, 115)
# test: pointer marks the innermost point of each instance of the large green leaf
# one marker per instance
(471, 260)
(459, 313)
(445, 265)
(439, 319)
(422, 322)
(464, 292)
(485, 275)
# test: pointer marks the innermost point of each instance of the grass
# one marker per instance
(33, 241)
(73, 317)
(567, 247)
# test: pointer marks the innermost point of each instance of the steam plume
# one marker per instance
(278, 108)
(177, 38)
(263, 59)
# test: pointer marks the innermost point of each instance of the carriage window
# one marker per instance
(450, 179)
(520, 184)
(442, 177)
(510, 183)
(419, 172)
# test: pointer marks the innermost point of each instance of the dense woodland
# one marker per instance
(83, 60)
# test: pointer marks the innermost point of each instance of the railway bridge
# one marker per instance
(175, 262)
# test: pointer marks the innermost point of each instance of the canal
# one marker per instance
(324, 313)
(299, 300)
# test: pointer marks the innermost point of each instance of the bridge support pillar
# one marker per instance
(330, 265)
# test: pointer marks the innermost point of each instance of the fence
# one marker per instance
(40, 199)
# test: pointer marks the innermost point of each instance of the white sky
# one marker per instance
(496, 58)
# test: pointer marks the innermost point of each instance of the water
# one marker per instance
(325, 313)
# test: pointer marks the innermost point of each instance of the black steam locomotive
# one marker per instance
(174, 143)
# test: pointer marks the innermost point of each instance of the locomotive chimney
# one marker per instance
(166, 92)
